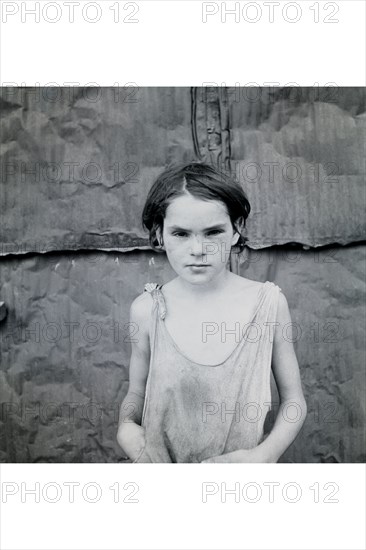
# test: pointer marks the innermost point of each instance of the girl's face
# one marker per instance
(198, 232)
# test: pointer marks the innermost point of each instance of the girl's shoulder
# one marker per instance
(141, 307)
(250, 291)
(242, 285)
(249, 284)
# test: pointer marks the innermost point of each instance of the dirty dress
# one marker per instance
(192, 411)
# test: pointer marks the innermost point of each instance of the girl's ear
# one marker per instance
(238, 228)
(159, 236)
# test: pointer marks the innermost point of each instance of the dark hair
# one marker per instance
(202, 181)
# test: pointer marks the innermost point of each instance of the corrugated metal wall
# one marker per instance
(76, 165)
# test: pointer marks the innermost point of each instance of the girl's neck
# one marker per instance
(206, 290)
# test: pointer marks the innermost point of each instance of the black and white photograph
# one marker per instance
(182, 274)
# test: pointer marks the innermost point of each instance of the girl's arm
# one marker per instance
(293, 409)
(131, 436)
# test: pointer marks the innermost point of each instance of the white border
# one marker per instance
(171, 513)
(171, 46)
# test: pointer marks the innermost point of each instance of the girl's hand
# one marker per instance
(254, 455)
(131, 437)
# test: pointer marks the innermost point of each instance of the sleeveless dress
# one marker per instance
(192, 411)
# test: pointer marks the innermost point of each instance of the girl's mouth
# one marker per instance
(198, 267)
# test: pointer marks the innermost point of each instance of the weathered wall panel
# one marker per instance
(63, 378)
(76, 164)
(75, 171)
(299, 153)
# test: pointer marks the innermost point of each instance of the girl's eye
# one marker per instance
(183, 234)
(215, 232)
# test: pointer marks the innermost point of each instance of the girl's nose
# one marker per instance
(196, 246)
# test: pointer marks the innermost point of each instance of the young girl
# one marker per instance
(200, 372)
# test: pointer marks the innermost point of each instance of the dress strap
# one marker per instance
(155, 290)
(279, 288)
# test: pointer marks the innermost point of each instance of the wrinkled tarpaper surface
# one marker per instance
(65, 341)
(76, 164)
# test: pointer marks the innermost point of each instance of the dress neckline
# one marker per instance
(176, 347)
